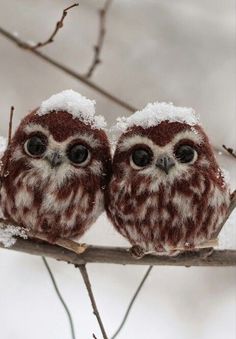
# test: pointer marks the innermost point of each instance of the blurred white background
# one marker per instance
(180, 51)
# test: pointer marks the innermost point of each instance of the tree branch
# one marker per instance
(119, 255)
(59, 25)
(102, 31)
(230, 151)
(87, 283)
(67, 70)
(10, 125)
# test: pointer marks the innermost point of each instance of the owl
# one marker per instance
(167, 191)
(57, 167)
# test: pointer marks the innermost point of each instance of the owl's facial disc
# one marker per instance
(165, 163)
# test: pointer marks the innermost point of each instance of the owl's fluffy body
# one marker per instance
(62, 201)
(160, 211)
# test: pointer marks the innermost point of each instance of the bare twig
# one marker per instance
(59, 25)
(60, 298)
(140, 286)
(67, 70)
(10, 125)
(87, 283)
(230, 151)
(102, 31)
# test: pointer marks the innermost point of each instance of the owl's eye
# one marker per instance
(78, 154)
(185, 153)
(36, 146)
(141, 157)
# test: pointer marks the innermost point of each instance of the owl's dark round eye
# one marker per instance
(141, 157)
(36, 146)
(185, 153)
(78, 154)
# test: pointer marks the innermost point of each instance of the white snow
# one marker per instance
(9, 233)
(77, 105)
(3, 145)
(226, 176)
(155, 113)
(227, 236)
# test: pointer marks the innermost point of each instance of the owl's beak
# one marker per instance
(55, 159)
(165, 163)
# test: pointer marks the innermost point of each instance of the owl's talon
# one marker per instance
(206, 252)
(82, 248)
(137, 252)
(72, 245)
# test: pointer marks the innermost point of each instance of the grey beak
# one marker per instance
(55, 159)
(165, 163)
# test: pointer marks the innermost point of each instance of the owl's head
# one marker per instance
(63, 139)
(163, 143)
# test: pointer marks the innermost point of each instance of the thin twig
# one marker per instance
(10, 125)
(140, 286)
(59, 25)
(101, 35)
(60, 298)
(87, 283)
(230, 151)
(67, 70)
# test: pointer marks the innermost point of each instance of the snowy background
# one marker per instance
(180, 51)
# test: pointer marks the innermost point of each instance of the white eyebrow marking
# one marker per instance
(30, 128)
(192, 135)
(88, 138)
(128, 142)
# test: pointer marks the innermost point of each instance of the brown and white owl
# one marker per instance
(56, 168)
(167, 190)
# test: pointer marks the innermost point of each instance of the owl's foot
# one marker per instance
(206, 252)
(72, 245)
(137, 252)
